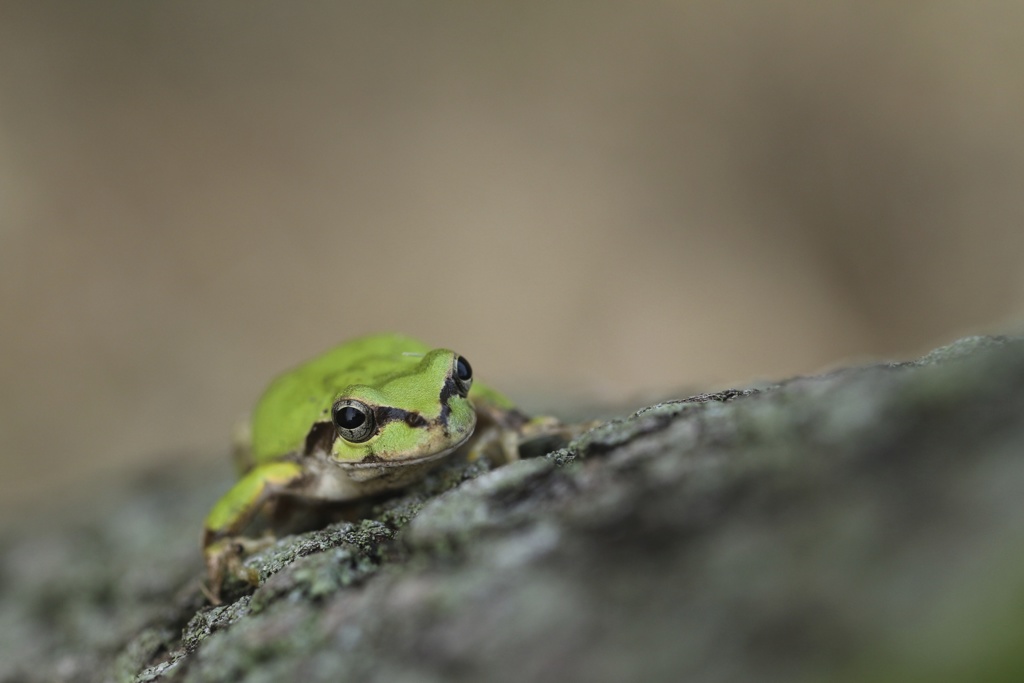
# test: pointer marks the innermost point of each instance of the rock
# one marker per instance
(866, 524)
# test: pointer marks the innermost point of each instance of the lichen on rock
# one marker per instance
(864, 524)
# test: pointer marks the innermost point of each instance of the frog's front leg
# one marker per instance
(504, 433)
(232, 512)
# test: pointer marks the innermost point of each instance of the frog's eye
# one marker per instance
(463, 375)
(353, 420)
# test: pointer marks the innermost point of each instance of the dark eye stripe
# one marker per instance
(413, 419)
(319, 437)
(448, 389)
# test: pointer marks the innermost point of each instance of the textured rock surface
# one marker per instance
(865, 524)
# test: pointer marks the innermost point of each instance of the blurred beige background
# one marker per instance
(597, 200)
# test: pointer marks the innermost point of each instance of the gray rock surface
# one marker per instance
(867, 524)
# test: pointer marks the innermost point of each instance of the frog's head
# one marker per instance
(416, 415)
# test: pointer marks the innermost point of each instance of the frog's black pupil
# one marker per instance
(463, 370)
(349, 417)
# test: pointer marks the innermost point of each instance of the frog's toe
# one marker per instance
(541, 435)
(224, 558)
(217, 557)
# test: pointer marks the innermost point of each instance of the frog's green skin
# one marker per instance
(420, 413)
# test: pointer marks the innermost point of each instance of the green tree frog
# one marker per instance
(371, 415)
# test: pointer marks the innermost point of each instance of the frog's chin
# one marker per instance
(372, 462)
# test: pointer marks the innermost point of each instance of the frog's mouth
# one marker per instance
(377, 462)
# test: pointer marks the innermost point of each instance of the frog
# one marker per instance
(369, 416)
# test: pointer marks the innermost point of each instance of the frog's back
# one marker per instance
(297, 399)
